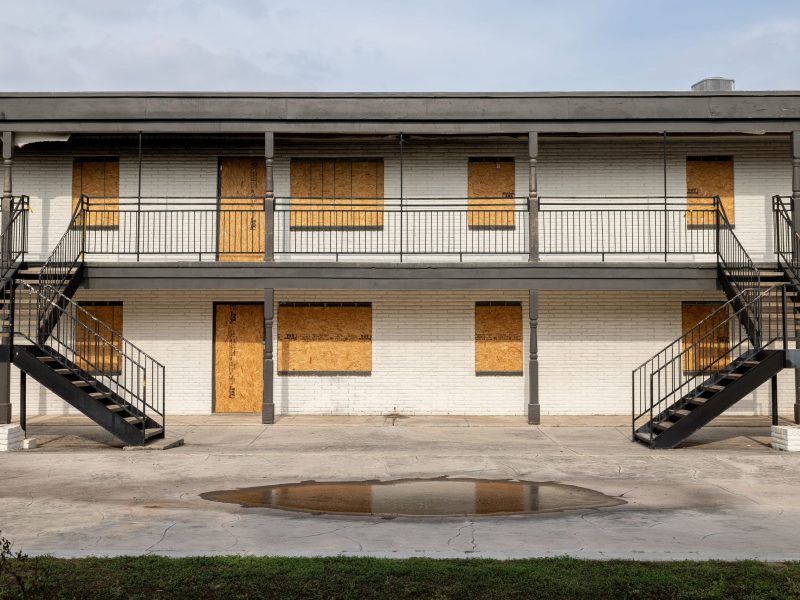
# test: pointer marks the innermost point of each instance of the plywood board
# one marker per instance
(707, 177)
(238, 357)
(99, 180)
(343, 194)
(324, 340)
(498, 339)
(707, 347)
(490, 188)
(241, 209)
(98, 337)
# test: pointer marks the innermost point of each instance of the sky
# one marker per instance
(396, 46)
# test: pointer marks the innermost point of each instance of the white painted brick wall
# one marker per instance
(423, 353)
(439, 169)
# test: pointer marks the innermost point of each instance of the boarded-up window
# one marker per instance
(241, 209)
(238, 357)
(490, 187)
(706, 177)
(324, 339)
(498, 338)
(336, 193)
(706, 347)
(97, 178)
(98, 337)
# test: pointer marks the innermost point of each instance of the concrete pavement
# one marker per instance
(727, 495)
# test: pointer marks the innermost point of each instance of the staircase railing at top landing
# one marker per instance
(787, 240)
(14, 237)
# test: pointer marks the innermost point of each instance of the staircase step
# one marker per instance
(148, 433)
(713, 387)
(100, 395)
(133, 420)
(46, 358)
(115, 408)
(664, 424)
(81, 383)
(697, 400)
(682, 412)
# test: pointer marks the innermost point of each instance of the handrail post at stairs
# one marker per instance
(716, 226)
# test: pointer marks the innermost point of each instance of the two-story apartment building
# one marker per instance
(351, 254)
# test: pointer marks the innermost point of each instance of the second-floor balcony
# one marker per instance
(251, 229)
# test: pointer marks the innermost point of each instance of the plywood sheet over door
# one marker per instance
(490, 188)
(98, 179)
(238, 357)
(241, 209)
(706, 177)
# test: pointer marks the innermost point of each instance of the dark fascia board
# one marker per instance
(115, 110)
(544, 276)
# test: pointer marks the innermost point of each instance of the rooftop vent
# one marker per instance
(714, 84)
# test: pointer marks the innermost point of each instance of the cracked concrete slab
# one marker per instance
(726, 495)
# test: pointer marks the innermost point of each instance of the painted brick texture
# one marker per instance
(423, 354)
(438, 169)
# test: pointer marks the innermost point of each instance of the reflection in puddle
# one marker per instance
(418, 497)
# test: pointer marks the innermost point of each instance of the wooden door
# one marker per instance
(238, 357)
(98, 179)
(706, 177)
(706, 347)
(490, 188)
(241, 209)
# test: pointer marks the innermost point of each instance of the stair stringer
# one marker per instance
(721, 401)
(28, 362)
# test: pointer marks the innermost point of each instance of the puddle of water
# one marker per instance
(418, 497)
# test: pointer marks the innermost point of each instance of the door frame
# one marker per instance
(214, 351)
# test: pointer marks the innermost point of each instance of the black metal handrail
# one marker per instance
(14, 237)
(93, 351)
(750, 322)
(787, 240)
(736, 266)
(210, 228)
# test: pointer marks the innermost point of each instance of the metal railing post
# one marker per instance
(717, 220)
(783, 319)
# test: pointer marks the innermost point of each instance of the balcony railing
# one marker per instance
(236, 229)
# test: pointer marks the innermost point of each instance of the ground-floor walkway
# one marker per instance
(726, 495)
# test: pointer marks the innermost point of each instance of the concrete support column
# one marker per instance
(268, 397)
(534, 413)
(269, 198)
(5, 366)
(796, 225)
(533, 198)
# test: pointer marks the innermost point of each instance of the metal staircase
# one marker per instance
(725, 357)
(70, 352)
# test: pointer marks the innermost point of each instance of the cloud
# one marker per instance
(381, 45)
